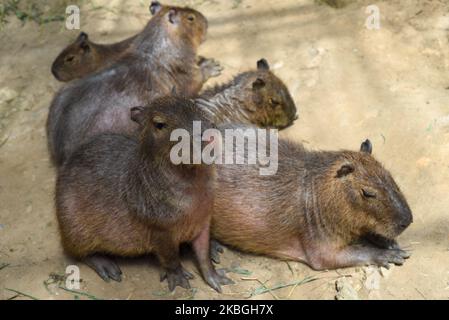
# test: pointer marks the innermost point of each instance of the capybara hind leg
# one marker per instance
(215, 250)
(201, 247)
(357, 255)
(167, 252)
(105, 267)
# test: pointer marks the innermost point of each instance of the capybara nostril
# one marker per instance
(406, 222)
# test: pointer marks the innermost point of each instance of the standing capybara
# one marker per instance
(162, 58)
(315, 209)
(83, 57)
(122, 196)
(255, 97)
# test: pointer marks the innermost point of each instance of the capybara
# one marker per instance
(255, 97)
(83, 57)
(162, 58)
(122, 196)
(319, 208)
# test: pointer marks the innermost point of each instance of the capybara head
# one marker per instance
(166, 122)
(182, 23)
(273, 104)
(76, 60)
(370, 193)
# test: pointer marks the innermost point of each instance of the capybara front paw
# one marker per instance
(210, 68)
(395, 256)
(105, 267)
(382, 242)
(177, 277)
(393, 244)
(215, 250)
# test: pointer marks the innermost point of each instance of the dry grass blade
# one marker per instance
(265, 289)
(3, 265)
(81, 293)
(19, 293)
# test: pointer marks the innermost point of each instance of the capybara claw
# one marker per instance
(213, 283)
(177, 277)
(215, 250)
(404, 254)
(217, 278)
(224, 280)
(187, 274)
(395, 256)
(105, 267)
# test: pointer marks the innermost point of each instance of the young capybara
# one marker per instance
(83, 57)
(254, 97)
(161, 58)
(122, 196)
(320, 208)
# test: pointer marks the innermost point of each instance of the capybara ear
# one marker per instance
(155, 7)
(84, 45)
(262, 64)
(83, 36)
(138, 114)
(258, 84)
(345, 170)
(172, 15)
(366, 147)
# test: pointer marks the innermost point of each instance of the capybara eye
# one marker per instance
(191, 18)
(160, 125)
(69, 58)
(159, 122)
(273, 102)
(368, 193)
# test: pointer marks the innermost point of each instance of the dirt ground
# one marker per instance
(350, 83)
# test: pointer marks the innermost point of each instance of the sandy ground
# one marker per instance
(350, 83)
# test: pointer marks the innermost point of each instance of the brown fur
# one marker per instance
(83, 57)
(161, 58)
(121, 196)
(313, 209)
(255, 97)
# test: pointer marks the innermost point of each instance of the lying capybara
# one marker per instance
(254, 97)
(318, 208)
(161, 58)
(83, 57)
(122, 196)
